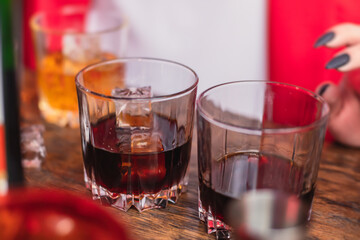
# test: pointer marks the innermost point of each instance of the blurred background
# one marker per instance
(225, 40)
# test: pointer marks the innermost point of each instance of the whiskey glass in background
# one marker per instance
(66, 41)
(256, 135)
(136, 121)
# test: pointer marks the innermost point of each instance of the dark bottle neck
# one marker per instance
(9, 94)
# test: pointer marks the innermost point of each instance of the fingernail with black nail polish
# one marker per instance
(323, 89)
(324, 39)
(338, 61)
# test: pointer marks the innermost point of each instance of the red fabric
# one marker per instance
(33, 6)
(293, 28)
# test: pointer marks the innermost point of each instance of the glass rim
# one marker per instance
(69, 10)
(253, 131)
(136, 59)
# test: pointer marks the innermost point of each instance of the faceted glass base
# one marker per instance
(213, 225)
(140, 202)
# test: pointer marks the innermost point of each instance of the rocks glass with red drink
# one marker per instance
(136, 120)
(256, 135)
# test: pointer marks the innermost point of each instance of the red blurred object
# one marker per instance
(281, 111)
(33, 6)
(293, 28)
(55, 214)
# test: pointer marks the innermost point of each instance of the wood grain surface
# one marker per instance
(336, 208)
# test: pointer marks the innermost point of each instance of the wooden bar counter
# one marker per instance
(336, 208)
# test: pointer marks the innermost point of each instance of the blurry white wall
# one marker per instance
(222, 40)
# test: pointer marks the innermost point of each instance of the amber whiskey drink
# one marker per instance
(66, 41)
(57, 92)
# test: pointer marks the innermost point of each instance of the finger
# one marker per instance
(344, 34)
(331, 93)
(344, 125)
(344, 113)
(346, 60)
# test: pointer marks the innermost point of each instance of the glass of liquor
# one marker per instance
(66, 41)
(256, 135)
(136, 121)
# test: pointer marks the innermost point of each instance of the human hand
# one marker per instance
(343, 99)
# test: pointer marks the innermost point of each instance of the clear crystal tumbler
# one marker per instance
(256, 135)
(136, 122)
(67, 40)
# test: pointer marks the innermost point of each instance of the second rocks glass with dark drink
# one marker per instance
(136, 120)
(256, 135)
